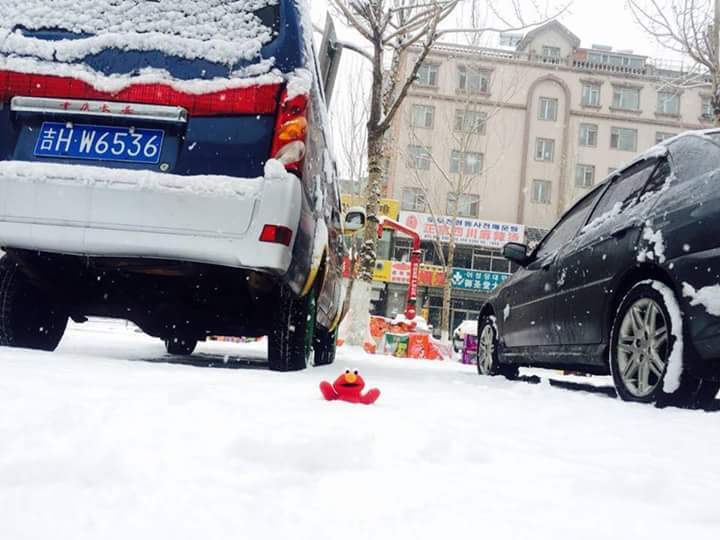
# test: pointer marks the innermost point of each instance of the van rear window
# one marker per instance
(222, 31)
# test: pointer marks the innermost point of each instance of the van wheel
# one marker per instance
(290, 343)
(325, 346)
(28, 317)
(180, 346)
(642, 340)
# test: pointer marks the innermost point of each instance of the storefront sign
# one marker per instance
(467, 231)
(428, 276)
(386, 207)
(476, 280)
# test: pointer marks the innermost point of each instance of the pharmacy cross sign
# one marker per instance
(477, 280)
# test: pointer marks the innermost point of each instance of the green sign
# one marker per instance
(476, 280)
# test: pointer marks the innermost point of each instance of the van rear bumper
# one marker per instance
(95, 211)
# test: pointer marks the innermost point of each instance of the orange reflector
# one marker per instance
(293, 130)
(276, 234)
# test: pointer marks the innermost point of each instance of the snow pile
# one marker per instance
(126, 179)
(708, 297)
(656, 246)
(419, 323)
(215, 30)
(299, 83)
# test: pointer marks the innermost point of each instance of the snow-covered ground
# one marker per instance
(111, 439)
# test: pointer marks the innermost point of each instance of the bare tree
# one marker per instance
(689, 27)
(389, 28)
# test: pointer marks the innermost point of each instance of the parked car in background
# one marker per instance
(464, 328)
(626, 283)
(183, 183)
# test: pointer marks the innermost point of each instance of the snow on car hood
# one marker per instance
(220, 31)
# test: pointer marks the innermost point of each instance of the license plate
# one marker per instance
(104, 143)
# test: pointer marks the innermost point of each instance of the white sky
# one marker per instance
(606, 22)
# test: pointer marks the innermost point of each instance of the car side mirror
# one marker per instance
(355, 219)
(517, 253)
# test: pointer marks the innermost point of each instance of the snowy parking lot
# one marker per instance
(110, 438)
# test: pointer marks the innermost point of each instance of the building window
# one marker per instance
(423, 116)
(489, 261)
(707, 108)
(591, 95)
(510, 40)
(541, 191)
(551, 52)
(615, 60)
(660, 136)
(544, 149)
(623, 139)
(418, 157)
(427, 75)
(470, 121)
(473, 80)
(467, 162)
(584, 175)
(548, 109)
(668, 103)
(413, 200)
(588, 134)
(626, 97)
(467, 205)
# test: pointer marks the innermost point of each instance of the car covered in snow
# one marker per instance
(168, 163)
(467, 327)
(626, 283)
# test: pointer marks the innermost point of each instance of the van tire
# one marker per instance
(290, 343)
(325, 346)
(29, 318)
(180, 346)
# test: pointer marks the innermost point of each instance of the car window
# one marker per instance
(624, 190)
(568, 226)
(658, 180)
(694, 156)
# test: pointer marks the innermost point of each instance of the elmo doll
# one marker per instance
(348, 387)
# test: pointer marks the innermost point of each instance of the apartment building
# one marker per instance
(514, 135)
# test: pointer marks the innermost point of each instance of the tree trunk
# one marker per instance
(447, 290)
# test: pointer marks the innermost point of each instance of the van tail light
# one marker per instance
(290, 135)
(276, 234)
(255, 99)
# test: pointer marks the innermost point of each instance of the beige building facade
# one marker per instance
(549, 119)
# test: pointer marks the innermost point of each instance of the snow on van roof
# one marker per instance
(222, 31)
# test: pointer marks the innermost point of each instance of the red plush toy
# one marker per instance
(348, 387)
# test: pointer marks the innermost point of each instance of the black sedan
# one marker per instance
(626, 283)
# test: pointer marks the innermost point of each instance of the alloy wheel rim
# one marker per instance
(486, 348)
(642, 347)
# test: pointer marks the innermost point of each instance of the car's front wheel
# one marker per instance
(29, 318)
(646, 355)
(488, 362)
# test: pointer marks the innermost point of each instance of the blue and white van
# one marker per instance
(168, 164)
